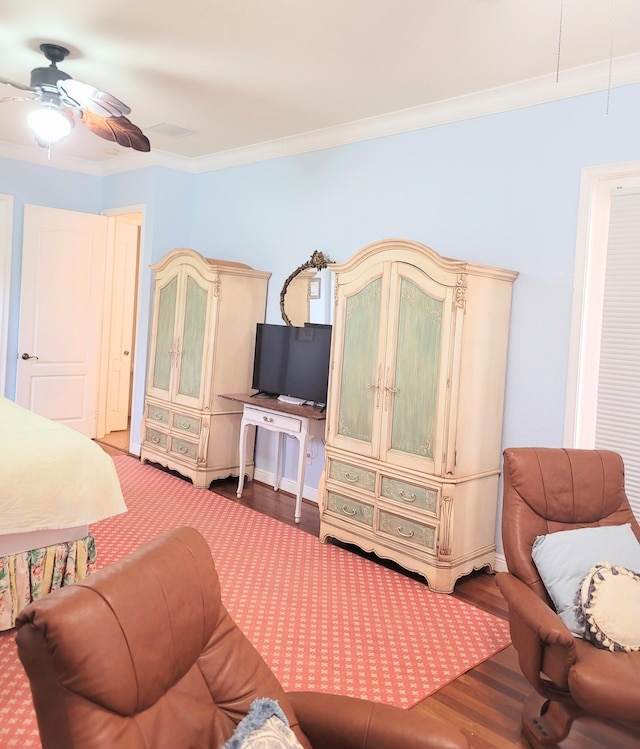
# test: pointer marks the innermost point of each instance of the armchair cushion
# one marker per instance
(565, 557)
(609, 606)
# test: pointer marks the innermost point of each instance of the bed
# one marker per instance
(54, 482)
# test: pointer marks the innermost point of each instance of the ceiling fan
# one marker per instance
(65, 100)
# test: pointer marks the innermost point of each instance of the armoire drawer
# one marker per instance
(158, 415)
(186, 423)
(350, 475)
(408, 531)
(357, 512)
(155, 438)
(184, 448)
(410, 495)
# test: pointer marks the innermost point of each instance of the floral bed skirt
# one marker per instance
(32, 574)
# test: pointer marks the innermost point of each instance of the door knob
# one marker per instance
(27, 356)
(126, 353)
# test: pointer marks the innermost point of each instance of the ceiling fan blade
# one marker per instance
(15, 84)
(83, 96)
(118, 129)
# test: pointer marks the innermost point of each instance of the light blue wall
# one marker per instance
(31, 184)
(498, 190)
(165, 197)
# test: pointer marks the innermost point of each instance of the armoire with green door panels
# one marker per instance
(202, 344)
(415, 405)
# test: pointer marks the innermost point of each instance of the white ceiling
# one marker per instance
(243, 72)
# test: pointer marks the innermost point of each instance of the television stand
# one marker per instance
(283, 418)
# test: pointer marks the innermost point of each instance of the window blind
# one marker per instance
(618, 407)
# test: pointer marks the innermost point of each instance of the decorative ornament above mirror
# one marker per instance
(318, 261)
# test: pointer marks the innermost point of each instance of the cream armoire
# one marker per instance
(202, 345)
(414, 421)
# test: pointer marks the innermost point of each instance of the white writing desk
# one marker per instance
(284, 418)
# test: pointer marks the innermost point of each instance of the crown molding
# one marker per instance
(129, 161)
(573, 82)
(36, 155)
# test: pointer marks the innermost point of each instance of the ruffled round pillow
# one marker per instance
(608, 604)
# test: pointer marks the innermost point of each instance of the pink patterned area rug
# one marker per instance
(323, 618)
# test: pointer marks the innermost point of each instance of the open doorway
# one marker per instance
(114, 417)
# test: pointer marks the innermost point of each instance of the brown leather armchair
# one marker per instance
(144, 654)
(548, 490)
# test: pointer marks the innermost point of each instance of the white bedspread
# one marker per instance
(51, 476)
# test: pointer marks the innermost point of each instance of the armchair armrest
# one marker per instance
(535, 630)
(350, 723)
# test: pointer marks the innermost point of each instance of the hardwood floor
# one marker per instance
(486, 702)
(115, 443)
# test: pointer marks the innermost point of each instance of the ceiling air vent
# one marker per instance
(172, 131)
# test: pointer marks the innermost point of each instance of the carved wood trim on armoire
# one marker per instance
(202, 345)
(415, 404)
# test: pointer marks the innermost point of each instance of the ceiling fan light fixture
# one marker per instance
(65, 101)
(49, 124)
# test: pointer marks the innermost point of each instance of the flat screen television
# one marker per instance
(292, 361)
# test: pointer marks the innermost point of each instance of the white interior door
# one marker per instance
(61, 303)
(122, 314)
(6, 226)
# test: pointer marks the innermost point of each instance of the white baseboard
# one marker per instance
(500, 564)
(266, 477)
(287, 485)
(311, 493)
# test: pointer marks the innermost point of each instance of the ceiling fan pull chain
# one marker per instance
(559, 41)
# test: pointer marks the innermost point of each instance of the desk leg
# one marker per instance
(277, 472)
(302, 458)
(242, 456)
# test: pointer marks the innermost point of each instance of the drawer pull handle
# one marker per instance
(184, 425)
(348, 511)
(407, 497)
(405, 534)
(268, 419)
(183, 449)
(157, 417)
(156, 440)
(350, 477)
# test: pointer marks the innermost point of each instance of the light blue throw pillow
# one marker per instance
(265, 726)
(565, 557)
